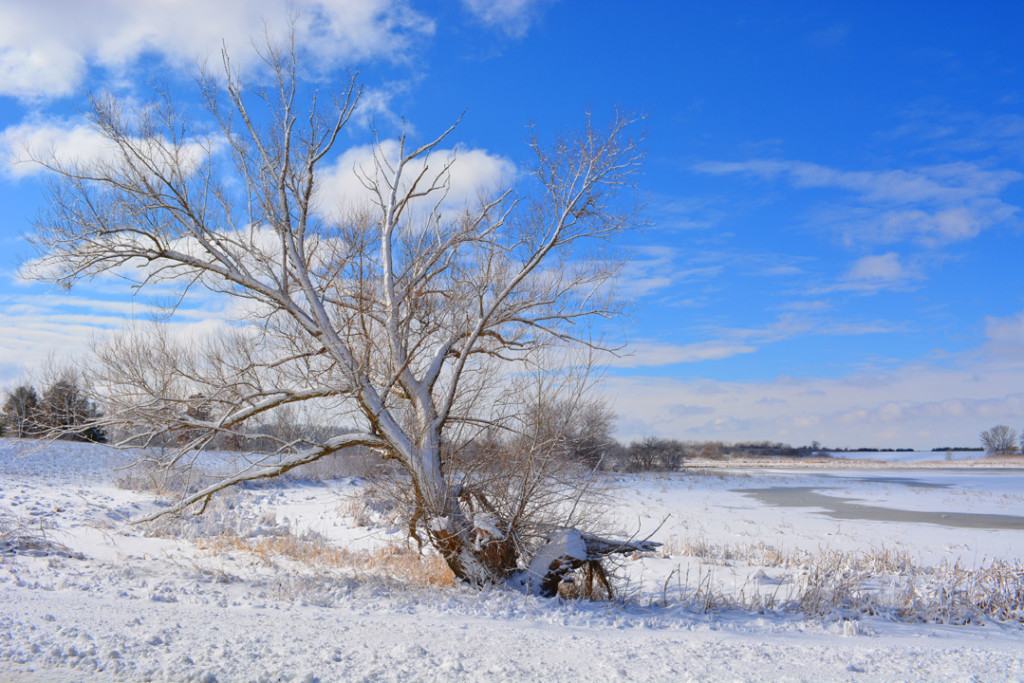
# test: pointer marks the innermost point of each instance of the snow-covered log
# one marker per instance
(566, 551)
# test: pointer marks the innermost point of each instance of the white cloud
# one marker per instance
(24, 146)
(650, 269)
(511, 16)
(931, 205)
(37, 324)
(872, 273)
(46, 48)
(918, 405)
(22, 143)
(1005, 337)
(652, 354)
(472, 171)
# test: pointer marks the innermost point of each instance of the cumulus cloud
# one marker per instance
(471, 172)
(21, 144)
(46, 48)
(24, 146)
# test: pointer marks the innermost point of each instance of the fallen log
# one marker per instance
(569, 550)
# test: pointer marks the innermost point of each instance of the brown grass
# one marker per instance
(761, 554)
(391, 561)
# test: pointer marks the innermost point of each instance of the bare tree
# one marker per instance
(403, 320)
(652, 454)
(999, 439)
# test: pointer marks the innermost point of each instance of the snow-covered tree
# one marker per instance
(409, 322)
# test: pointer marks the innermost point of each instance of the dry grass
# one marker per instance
(392, 561)
(952, 594)
(147, 476)
(879, 582)
(21, 537)
(367, 508)
(761, 554)
(228, 525)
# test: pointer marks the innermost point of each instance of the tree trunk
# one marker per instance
(473, 542)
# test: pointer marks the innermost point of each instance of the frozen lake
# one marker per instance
(908, 456)
(899, 495)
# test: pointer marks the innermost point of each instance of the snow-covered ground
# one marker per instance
(764, 575)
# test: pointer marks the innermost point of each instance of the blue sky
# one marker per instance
(834, 189)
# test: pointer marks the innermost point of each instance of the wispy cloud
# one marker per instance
(962, 132)
(726, 342)
(944, 183)
(651, 269)
(871, 274)
(930, 205)
(653, 354)
(39, 323)
(671, 213)
(830, 36)
(512, 17)
(884, 268)
(802, 323)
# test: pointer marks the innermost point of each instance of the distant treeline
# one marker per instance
(874, 450)
(958, 449)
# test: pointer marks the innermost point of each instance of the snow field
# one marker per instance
(303, 582)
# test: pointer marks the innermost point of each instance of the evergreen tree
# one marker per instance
(67, 413)
(21, 411)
